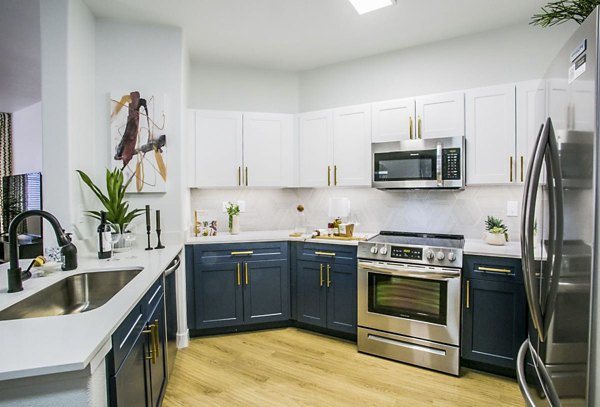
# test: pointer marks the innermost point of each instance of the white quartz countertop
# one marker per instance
(38, 346)
(480, 248)
(270, 236)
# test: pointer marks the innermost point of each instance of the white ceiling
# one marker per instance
(304, 34)
(20, 55)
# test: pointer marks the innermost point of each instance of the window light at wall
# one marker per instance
(366, 6)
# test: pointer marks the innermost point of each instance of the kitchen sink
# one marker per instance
(72, 295)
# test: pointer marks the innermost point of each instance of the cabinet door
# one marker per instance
(315, 142)
(311, 292)
(531, 114)
(128, 385)
(158, 366)
(341, 297)
(352, 146)
(491, 135)
(494, 322)
(266, 291)
(393, 120)
(441, 115)
(218, 149)
(218, 295)
(267, 149)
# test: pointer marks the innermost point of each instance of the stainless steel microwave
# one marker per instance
(437, 163)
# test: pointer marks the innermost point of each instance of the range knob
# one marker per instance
(451, 256)
(429, 254)
(383, 250)
(440, 255)
(374, 249)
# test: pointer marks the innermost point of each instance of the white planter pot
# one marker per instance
(495, 239)
(235, 225)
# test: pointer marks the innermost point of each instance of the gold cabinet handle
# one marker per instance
(494, 269)
(511, 168)
(243, 253)
(329, 175)
(156, 342)
(330, 254)
(150, 331)
(419, 121)
(522, 166)
(321, 275)
(328, 276)
(239, 278)
(246, 272)
(240, 176)
(335, 175)
(246, 176)
(410, 127)
(468, 303)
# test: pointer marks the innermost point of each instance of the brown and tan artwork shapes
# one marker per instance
(139, 141)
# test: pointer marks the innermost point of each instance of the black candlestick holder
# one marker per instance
(159, 245)
(148, 229)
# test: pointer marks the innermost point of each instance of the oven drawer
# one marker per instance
(493, 268)
(418, 352)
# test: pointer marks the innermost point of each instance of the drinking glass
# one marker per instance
(115, 237)
(129, 235)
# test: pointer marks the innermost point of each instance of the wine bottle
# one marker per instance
(104, 238)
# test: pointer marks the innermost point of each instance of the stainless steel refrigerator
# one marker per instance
(559, 227)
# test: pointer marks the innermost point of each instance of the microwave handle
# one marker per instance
(440, 182)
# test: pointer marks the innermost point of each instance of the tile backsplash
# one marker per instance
(457, 212)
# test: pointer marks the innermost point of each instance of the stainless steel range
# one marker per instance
(409, 298)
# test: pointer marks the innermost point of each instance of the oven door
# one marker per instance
(418, 301)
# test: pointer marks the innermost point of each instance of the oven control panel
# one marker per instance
(403, 252)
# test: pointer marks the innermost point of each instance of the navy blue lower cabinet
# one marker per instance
(494, 313)
(266, 291)
(128, 385)
(218, 295)
(341, 298)
(311, 293)
(157, 365)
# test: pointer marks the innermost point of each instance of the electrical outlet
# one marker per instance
(512, 209)
(242, 205)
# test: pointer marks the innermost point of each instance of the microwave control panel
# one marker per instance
(451, 164)
(414, 253)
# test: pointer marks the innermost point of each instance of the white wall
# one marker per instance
(247, 89)
(506, 55)
(27, 139)
(149, 59)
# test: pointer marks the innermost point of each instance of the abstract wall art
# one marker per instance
(139, 139)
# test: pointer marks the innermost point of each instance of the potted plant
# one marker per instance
(116, 208)
(233, 210)
(497, 232)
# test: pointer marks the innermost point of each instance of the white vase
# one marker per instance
(235, 225)
(495, 239)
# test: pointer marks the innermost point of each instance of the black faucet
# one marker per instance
(68, 249)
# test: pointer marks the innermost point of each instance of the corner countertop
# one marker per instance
(39, 346)
(478, 247)
(270, 236)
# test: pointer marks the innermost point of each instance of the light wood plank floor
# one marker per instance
(293, 367)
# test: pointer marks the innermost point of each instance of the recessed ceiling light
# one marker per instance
(365, 6)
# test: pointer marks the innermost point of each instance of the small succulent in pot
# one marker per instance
(497, 231)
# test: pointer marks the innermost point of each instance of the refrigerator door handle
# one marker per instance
(527, 228)
(521, 379)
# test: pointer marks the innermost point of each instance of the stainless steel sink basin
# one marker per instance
(72, 295)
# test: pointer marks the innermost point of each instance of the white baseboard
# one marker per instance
(183, 340)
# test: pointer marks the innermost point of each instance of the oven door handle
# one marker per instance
(395, 271)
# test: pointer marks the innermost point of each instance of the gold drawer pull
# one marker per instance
(335, 175)
(410, 127)
(511, 168)
(328, 276)
(522, 165)
(238, 275)
(330, 254)
(321, 275)
(246, 272)
(328, 175)
(494, 270)
(468, 303)
(245, 253)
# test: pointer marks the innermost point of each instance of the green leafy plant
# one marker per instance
(496, 226)
(560, 11)
(232, 210)
(117, 209)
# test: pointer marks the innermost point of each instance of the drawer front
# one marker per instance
(152, 297)
(125, 336)
(208, 254)
(336, 254)
(493, 268)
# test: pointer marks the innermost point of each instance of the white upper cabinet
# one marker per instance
(490, 131)
(352, 146)
(393, 120)
(267, 149)
(315, 143)
(218, 158)
(531, 115)
(441, 115)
